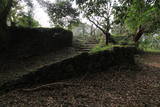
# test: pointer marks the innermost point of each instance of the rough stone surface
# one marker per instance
(36, 41)
(75, 67)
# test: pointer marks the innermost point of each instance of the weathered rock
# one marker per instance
(75, 67)
(37, 41)
(4, 39)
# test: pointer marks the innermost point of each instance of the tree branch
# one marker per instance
(96, 25)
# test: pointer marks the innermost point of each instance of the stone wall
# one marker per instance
(75, 67)
(35, 41)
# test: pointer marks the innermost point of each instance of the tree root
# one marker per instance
(48, 86)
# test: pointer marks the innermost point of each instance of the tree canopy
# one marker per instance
(98, 12)
(18, 17)
(61, 12)
(139, 16)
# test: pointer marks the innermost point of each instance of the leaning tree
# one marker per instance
(139, 16)
(99, 13)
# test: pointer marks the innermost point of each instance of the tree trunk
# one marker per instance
(4, 14)
(91, 32)
(4, 35)
(138, 35)
(109, 38)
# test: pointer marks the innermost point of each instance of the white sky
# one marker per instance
(41, 16)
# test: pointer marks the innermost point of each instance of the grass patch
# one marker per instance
(151, 50)
(99, 48)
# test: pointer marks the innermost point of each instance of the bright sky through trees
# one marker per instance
(40, 15)
(43, 18)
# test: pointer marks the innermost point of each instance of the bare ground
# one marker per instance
(118, 87)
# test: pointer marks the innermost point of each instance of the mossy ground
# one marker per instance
(100, 47)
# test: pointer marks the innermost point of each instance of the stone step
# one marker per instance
(86, 47)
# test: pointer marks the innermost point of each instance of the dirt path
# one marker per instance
(117, 87)
(151, 60)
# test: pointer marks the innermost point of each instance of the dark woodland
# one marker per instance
(80, 53)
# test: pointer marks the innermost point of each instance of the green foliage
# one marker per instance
(3, 4)
(97, 12)
(4, 11)
(62, 13)
(151, 50)
(139, 14)
(150, 43)
(99, 48)
(17, 16)
(27, 21)
(15, 13)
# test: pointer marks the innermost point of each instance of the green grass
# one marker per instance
(152, 50)
(99, 48)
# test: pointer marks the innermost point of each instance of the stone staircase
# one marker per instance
(85, 47)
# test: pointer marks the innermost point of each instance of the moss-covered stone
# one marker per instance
(75, 67)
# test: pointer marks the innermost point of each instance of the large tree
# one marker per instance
(98, 12)
(5, 7)
(15, 12)
(139, 16)
(9, 9)
(5, 13)
(61, 12)
(18, 17)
